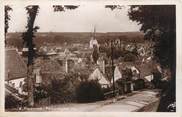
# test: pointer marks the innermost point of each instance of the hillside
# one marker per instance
(57, 38)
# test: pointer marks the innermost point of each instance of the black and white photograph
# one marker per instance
(90, 58)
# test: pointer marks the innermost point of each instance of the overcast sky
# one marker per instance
(81, 19)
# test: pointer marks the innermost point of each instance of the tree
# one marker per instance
(113, 7)
(158, 22)
(89, 91)
(60, 8)
(95, 54)
(28, 36)
(7, 18)
(28, 41)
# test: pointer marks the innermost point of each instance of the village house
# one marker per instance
(98, 75)
(15, 70)
(24, 51)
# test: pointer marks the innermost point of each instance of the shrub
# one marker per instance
(89, 91)
(40, 92)
(139, 84)
(63, 90)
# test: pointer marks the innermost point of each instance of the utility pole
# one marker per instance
(112, 64)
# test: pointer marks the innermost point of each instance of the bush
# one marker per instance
(139, 84)
(40, 92)
(89, 91)
(63, 90)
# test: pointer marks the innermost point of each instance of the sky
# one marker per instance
(82, 19)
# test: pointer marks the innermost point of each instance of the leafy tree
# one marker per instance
(28, 36)
(7, 18)
(95, 54)
(40, 92)
(159, 25)
(158, 22)
(113, 7)
(59, 8)
(89, 91)
(63, 90)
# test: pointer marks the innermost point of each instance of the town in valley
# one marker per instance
(84, 71)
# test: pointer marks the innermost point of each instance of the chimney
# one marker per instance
(66, 66)
(103, 66)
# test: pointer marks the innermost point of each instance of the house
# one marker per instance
(15, 69)
(98, 75)
(117, 74)
(25, 51)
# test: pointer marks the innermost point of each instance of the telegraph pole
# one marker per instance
(112, 64)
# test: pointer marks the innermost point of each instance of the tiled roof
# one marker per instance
(14, 65)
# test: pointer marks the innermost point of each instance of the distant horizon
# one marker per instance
(82, 32)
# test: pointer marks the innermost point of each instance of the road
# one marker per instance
(145, 100)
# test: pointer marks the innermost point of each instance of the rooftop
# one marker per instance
(15, 67)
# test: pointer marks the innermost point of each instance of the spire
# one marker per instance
(93, 40)
(94, 32)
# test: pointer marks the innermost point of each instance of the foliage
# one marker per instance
(113, 7)
(63, 90)
(127, 74)
(95, 54)
(157, 78)
(7, 18)
(40, 92)
(29, 34)
(57, 90)
(129, 57)
(158, 22)
(89, 91)
(139, 84)
(59, 8)
(116, 52)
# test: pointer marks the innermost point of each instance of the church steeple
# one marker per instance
(93, 41)
(94, 35)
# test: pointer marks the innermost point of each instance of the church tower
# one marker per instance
(93, 40)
